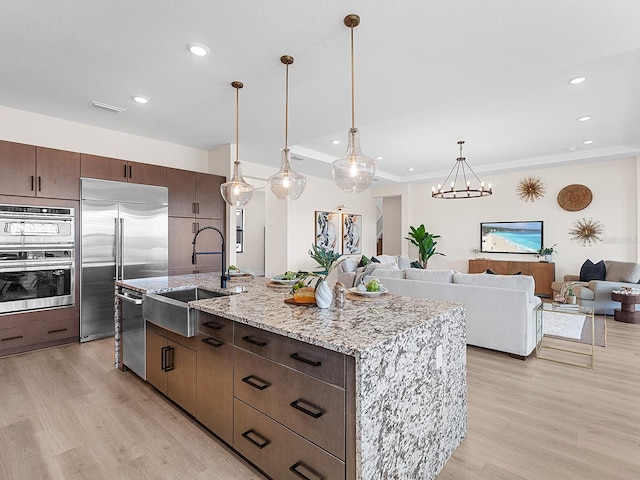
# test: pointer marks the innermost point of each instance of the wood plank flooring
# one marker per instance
(65, 413)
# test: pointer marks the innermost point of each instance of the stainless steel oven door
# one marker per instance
(36, 284)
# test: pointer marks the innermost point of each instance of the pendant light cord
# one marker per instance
(286, 109)
(237, 123)
(353, 84)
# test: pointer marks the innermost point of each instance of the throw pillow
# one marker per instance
(491, 272)
(375, 260)
(593, 271)
(416, 264)
(384, 258)
(349, 265)
(622, 272)
(403, 262)
(364, 261)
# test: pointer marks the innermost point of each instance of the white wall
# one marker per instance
(614, 185)
(33, 129)
(254, 222)
(392, 225)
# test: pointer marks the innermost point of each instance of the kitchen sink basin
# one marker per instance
(170, 310)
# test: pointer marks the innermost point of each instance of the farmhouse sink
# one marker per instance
(170, 310)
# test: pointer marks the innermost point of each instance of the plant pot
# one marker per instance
(324, 295)
(571, 299)
(548, 258)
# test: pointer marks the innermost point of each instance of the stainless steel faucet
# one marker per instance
(194, 255)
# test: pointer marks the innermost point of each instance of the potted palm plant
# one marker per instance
(325, 258)
(426, 243)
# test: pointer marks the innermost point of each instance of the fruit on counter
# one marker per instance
(303, 294)
(233, 268)
(288, 275)
(374, 286)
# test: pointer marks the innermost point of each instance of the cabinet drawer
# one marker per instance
(215, 326)
(278, 451)
(310, 407)
(316, 361)
(15, 337)
(57, 330)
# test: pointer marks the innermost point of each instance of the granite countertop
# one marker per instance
(357, 327)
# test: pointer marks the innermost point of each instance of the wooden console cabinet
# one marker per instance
(543, 273)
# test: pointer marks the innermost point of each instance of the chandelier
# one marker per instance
(463, 187)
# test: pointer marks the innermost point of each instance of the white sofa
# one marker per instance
(500, 308)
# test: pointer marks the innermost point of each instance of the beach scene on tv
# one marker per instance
(511, 237)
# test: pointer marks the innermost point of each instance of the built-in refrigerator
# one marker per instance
(124, 231)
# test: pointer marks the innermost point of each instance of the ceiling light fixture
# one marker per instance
(237, 192)
(410, 169)
(354, 172)
(335, 142)
(588, 142)
(287, 184)
(462, 190)
(577, 80)
(198, 49)
(141, 99)
(586, 118)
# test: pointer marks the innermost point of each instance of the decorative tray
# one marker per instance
(291, 302)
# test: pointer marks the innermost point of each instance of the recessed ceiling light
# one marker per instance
(577, 80)
(588, 142)
(410, 169)
(584, 119)
(198, 49)
(141, 99)
(378, 158)
(335, 142)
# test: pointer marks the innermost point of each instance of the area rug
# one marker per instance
(575, 328)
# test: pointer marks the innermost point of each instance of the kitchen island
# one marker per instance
(404, 370)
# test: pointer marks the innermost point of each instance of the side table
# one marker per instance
(627, 311)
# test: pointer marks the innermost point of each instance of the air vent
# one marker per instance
(106, 106)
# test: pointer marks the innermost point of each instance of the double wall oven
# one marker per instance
(36, 257)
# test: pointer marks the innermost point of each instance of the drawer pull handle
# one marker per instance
(11, 338)
(308, 474)
(309, 409)
(212, 326)
(256, 382)
(261, 442)
(313, 363)
(213, 342)
(260, 343)
(58, 330)
(167, 358)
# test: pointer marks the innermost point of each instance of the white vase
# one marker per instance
(549, 258)
(324, 295)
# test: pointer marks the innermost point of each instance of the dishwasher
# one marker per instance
(133, 339)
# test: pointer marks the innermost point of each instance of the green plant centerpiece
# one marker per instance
(426, 243)
(546, 251)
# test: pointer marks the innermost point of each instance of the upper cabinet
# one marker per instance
(194, 194)
(31, 171)
(105, 168)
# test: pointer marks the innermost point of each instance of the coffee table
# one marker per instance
(627, 311)
(557, 349)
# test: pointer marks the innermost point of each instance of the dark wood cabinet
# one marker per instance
(214, 378)
(543, 273)
(39, 172)
(106, 168)
(171, 366)
(194, 202)
(194, 194)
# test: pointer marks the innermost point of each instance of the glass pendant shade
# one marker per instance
(354, 172)
(287, 184)
(236, 192)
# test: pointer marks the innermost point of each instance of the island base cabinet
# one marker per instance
(214, 406)
(279, 452)
(171, 366)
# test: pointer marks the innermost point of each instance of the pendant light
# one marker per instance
(463, 188)
(354, 172)
(237, 192)
(287, 184)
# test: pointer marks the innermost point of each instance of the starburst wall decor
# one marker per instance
(586, 231)
(530, 189)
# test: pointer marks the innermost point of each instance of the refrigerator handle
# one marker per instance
(122, 249)
(116, 242)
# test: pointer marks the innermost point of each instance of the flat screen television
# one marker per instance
(511, 237)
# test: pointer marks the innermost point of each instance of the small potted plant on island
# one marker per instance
(547, 253)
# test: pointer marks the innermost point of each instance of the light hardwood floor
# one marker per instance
(65, 413)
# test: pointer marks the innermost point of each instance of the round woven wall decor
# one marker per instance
(574, 197)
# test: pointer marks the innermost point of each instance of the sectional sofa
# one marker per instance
(500, 308)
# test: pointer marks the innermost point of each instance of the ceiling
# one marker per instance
(428, 73)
